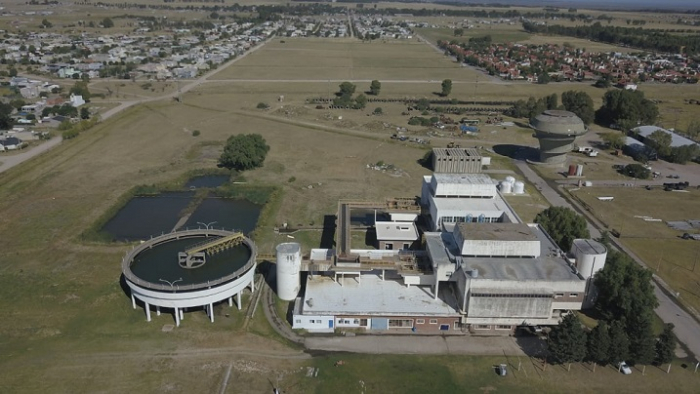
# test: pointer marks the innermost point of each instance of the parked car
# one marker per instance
(624, 368)
(502, 371)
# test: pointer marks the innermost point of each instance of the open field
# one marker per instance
(320, 59)
(498, 33)
(672, 258)
(127, 89)
(454, 374)
(69, 326)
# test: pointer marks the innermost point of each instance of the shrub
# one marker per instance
(262, 105)
(195, 133)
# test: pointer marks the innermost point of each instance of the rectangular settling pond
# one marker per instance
(146, 216)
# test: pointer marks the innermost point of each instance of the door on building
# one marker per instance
(380, 323)
(330, 323)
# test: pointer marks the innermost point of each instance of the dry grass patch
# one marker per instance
(655, 243)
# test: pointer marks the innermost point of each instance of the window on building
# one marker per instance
(503, 327)
(573, 295)
(298, 321)
(312, 321)
(559, 295)
(482, 327)
(420, 321)
(457, 325)
(401, 323)
(433, 321)
(444, 327)
(363, 322)
(406, 246)
(389, 246)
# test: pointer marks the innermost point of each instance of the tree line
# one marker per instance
(652, 39)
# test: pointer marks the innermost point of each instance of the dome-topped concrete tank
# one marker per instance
(557, 131)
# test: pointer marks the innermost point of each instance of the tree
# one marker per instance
(378, 111)
(613, 140)
(567, 341)
(683, 154)
(244, 152)
(619, 344)
(84, 113)
(544, 78)
(552, 101)
(579, 103)
(636, 171)
(624, 288)
(626, 108)
(641, 336)
(563, 225)
(17, 103)
(360, 101)
(107, 23)
(13, 72)
(661, 141)
(375, 87)
(46, 24)
(422, 104)
(80, 88)
(446, 87)
(6, 121)
(346, 89)
(666, 346)
(458, 32)
(598, 343)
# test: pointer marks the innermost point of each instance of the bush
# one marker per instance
(195, 133)
(291, 179)
(636, 171)
(262, 105)
(378, 111)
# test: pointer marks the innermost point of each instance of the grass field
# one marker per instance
(498, 33)
(459, 374)
(674, 259)
(319, 59)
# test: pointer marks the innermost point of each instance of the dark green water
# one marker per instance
(228, 213)
(210, 181)
(161, 262)
(143, 217)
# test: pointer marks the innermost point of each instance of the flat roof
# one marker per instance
(496, 231)
(550, 265)
(398, 231)
(470, 205)
(590, 246)
(456, 152)
(470, 179)
(372, 296)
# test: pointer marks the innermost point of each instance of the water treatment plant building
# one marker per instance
(190, 269)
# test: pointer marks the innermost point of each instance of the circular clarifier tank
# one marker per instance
(191, 268)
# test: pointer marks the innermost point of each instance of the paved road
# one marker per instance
(687, 328)
(14, 160)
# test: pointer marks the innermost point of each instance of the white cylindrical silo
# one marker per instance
(579, 170)
(506, 187)
(288, 270)
(590, 256)
(510, 179)
(519, 187)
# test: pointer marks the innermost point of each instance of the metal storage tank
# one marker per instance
(579, 170)
(572, 170)
(506, 187)
(590, 256)
(510, 179)
(519, 187)
(288, 270)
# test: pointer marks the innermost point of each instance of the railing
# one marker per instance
(129, 257)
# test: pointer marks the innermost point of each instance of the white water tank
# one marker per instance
(288, 270)
(510, 179)
(590, 256)
(506, 187)
(519, 187)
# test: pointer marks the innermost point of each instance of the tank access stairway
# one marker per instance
(195, 256)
